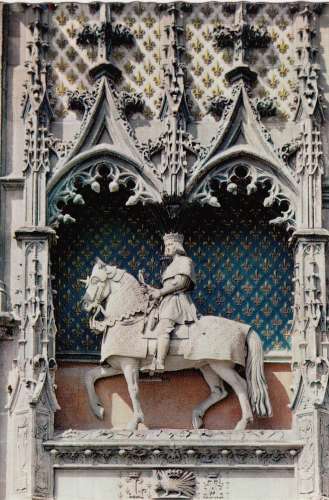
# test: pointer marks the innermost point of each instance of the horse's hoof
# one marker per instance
(197, 421)
(99, 412)
(242, 424)
(133, 424)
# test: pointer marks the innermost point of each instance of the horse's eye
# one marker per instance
(94, 281)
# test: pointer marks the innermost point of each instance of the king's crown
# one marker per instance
(173, 238)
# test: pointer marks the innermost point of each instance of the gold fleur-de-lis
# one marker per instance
(207, 80)
(286, 334)
(128, 67)
(149, 68)
(139, 32)
(283, 47)
(71, 31)
(117, 55)
(188, 34)
(61, 19)
(257, 321)
(247, 310)
(273, 81)
(283, 70)
(129, 21)
(82, 67)
(207, 57)
(197, 23)
(266, 310)
(149, 20)
(128, 88)
(197, 92)
(61, 89)
(149, 91)
(261, 22)
(207, 34)
(139, 78)
(157, 80)
(71, 54)
(217, 91)
(61, 65)
(267, 332)
(149, 44)
(61, 42)
(197, 45)
(282, 23)
(206, 10)
(197, 69)
(283, 94)
(217, 69)
(148, 113)
(277, 345)
(274, 35)
(82, 19)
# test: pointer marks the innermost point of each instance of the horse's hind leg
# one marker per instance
(91, 378)
(218, 392)
(225, 369)
(130, 368)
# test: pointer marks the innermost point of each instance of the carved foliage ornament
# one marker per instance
(251, 37)
(252, 178)
(117, 174)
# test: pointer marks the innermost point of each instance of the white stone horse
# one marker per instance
(214, 347)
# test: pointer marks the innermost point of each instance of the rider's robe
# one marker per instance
(178, 306)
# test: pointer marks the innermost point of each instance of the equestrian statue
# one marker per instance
(155, 330)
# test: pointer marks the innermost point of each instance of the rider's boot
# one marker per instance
(162, 351)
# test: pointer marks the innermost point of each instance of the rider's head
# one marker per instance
(173, 244)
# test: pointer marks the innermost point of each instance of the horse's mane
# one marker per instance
(129, 299)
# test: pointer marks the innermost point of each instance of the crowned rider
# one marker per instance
(176, 306)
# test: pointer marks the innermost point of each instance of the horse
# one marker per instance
(121, 311)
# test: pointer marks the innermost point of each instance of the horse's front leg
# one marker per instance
(130, 369)
(91, 378)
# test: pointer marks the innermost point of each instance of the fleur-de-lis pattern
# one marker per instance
(206, 66)
(243, 267)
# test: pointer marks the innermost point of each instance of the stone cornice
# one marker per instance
(149, 448)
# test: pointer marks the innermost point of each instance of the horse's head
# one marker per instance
(98, 285)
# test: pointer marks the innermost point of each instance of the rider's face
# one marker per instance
(169, 249)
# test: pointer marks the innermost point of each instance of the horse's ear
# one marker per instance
(100, 262)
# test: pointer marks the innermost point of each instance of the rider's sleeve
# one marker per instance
(180, 283)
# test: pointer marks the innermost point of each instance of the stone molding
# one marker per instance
(202, 448)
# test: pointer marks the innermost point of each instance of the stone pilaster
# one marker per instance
(309, 333)
(32, 401)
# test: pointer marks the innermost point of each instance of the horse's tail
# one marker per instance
(256, 382)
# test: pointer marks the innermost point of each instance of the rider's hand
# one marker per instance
(155, 293)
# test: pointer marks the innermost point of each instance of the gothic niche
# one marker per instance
(244, 272)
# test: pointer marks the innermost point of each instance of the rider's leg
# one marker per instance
(163, 330)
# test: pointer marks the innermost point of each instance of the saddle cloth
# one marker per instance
(209, 338)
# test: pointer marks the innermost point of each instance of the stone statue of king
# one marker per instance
(175, 303)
